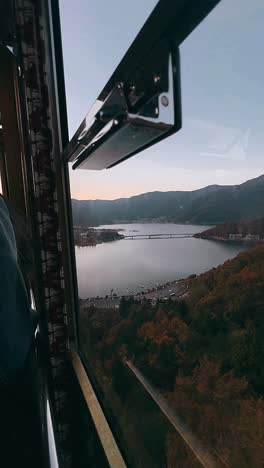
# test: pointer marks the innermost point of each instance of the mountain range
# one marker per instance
(210, 205)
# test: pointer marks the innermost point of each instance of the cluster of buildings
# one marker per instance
(248, 237)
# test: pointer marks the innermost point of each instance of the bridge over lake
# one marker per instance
(157, 236)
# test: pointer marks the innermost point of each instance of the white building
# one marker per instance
(235, 236)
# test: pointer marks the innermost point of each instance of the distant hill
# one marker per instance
(210, 205)
(249, 230)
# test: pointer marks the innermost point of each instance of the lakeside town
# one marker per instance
(232, 237)
(173, 290)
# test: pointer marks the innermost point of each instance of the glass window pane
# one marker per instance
(169, 247)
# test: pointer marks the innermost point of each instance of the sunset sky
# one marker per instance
(222, 95)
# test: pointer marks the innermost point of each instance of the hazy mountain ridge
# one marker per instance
(212, 204)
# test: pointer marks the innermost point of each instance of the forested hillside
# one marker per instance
(205, 354)
(245, 228)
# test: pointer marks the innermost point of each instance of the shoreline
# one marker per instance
(243, 241)
(90, 236)
(173, 290)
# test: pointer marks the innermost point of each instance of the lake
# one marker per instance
(132, 264)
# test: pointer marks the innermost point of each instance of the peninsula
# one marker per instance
(87, 236)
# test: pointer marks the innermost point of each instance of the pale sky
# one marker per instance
(222, 71)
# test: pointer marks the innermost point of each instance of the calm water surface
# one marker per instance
(135, 263)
